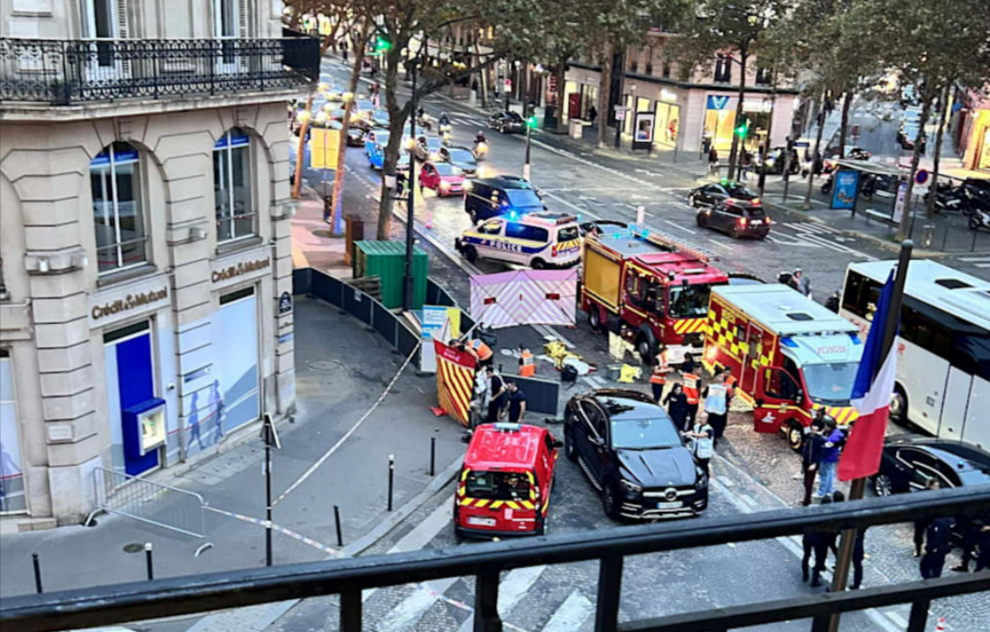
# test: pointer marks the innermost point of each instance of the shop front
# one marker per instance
(667, 119)
(12, 498)
(753, 126)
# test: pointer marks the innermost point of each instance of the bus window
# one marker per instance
(861, 295)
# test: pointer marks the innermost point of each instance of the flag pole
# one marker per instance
(858, 486)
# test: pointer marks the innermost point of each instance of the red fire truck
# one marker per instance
(649, 287)
(789, 355)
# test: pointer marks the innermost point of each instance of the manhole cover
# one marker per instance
(133, 547)
(322, 365)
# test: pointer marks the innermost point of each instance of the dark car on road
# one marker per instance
(908, 463)
(506, 122)
(501, 195)
(736, 219)
(631, 452)
(460, 157)
(713, 193)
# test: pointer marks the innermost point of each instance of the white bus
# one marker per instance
(943, 369)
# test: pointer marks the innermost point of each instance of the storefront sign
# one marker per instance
(754, 105)
(129, 302)
(240, 268)
(112, 305)
(284, 303)
(717, 102)
(668, 95)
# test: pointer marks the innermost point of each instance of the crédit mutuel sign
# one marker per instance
(240, 268)
(128, 302)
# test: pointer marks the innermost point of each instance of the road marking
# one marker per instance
(898, 619)
(720, 245)
(418, 537)
(410, 610)
(511, 591)
(974, 259)
(571, 614)
(573, 206)
(679, 227)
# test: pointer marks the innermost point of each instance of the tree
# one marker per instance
(338, 12)
(733, 31)
(930, 46)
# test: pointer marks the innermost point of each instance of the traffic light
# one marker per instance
(531, 121)
(382, 45)
(742, 129)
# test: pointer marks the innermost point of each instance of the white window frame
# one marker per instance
(118, 244)
(229, 178)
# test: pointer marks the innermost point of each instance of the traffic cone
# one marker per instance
(429, 221)
(941, 625)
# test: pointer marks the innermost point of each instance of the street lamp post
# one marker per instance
(408, 281)
(526, 170)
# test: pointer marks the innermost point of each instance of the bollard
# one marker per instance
(147, 559)
(391, 478)
(336, 518)
(37, 573)
(433, 456)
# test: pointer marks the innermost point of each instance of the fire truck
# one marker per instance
(789, 355)
(649, 287)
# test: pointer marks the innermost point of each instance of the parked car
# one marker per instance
(506, 122)
(631, 452)
(713, 193)
(908, 463)
(735, 218)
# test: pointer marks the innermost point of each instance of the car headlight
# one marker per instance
(444, 185)
(632, 489)
(467, 185)
(480, 171)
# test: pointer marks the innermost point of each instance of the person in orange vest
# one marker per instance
(692, 386)
(483, 351)
(527, 363)
(730, 384)
(658, 378)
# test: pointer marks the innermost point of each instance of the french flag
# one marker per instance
(871, 397)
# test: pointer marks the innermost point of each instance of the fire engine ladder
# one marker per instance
(671, 243)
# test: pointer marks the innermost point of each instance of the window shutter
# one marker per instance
(123, 32)
(242, 19)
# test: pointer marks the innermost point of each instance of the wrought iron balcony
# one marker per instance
(85, 71)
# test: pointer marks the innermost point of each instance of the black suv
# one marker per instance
(632, 453)
(711, 194)
(736, 219)
(506, 122)
(500, 195)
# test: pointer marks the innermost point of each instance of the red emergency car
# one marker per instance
(505, 483)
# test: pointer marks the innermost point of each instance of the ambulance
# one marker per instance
(505, 483)
(537, 240)
(789, 355)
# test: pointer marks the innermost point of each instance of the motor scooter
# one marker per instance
(979, 219)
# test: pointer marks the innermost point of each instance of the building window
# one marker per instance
(723, 70)
(763, 76)
(232, 186)
(121, 234)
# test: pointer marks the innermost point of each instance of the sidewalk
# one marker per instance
(341, 370)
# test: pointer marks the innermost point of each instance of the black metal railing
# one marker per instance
(142, 601)
(82, 71)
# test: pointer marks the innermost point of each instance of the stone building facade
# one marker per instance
(146, 310)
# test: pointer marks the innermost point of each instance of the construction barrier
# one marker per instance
(541, 395)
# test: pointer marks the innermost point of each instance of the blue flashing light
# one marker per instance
(513, 215)
(646, 232)
(787, 342)
(855, 339)
(617, 236)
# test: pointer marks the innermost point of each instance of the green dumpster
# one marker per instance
(387, 261)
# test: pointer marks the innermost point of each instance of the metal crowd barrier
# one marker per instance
(154, 503)
(142, 601)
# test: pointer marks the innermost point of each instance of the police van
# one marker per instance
(538, 240)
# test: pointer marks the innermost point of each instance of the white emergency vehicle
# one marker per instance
(537, 240)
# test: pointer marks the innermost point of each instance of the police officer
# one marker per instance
(977, 534)
(938, 542)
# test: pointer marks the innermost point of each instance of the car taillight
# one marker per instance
(742, 221)
(755, 201)
(553, 251)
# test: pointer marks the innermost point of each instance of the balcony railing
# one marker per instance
(141, 601)
(84, 71)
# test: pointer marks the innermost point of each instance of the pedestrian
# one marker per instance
(691, 385)
(527, 363)
(343, 50)
(830, 458)
(976, 534)
(938, 543)
(716, 405)
(713, 162)
(592, 114)
(499, 393)
(658, 377)
(921, 524)
(677, 407)
(811, 457)
(517, 402)
(474, 85)
(730, 386)
(818, 542)
(747, 161)
(702, 437)
(859, 554)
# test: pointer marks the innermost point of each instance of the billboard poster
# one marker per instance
(844, 189)
(900, 203)
(644, 127)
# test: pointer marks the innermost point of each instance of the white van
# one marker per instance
(538, 240)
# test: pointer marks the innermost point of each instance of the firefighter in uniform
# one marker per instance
(527, 363)
(658, 378)
(483, 351)
(692, 384)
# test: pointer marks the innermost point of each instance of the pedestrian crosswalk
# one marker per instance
(977, 262)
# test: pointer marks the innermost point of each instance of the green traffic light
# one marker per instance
(531, 121)
(741, 130)
(382, 45)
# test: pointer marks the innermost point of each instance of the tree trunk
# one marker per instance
(338, 179)
(560, 74)
(604, 92)
(301, 148)
(933, 183)
(814, 158)
(736, 141)
(905, 225)
(844, 126)
(396, 124)
(768, 142)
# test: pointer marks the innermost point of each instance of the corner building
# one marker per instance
(145, 307)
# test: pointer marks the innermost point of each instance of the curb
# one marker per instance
(258, 618)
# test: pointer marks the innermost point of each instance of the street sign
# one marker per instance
(508, 85)
(921, 176)
(284, 303)
(620, 114)
(802, 143)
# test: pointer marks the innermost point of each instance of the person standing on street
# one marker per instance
(921, 525)
(830, 458)
(713, 162)
(976, 534)
(498, 395)
(343, 50)
(811, 458)
(677, 407)
(691, 386)
(527, 363)
(592, 114)
(938, 543)
(702, 437)
(716, 405)
(517, 402)
(859, 554)
(658, 377)
(818, 542)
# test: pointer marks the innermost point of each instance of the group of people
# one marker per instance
(495, 397)
(933, 541)
(820, 542)
(820, 457)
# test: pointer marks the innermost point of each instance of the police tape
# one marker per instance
(460, 605)
(347, 435)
